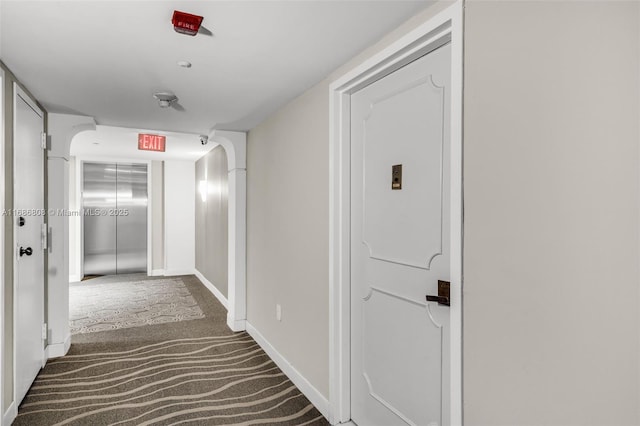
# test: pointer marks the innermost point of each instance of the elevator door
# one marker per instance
(114, 199)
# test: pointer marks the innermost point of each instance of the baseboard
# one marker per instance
(236, 325)
(57, 350)
(10, 415)
(74, 278)
(213, 289)
(174, 272)
(156, 273)
(312, 394)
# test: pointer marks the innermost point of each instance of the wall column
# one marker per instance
(235, 145)
(62, 128)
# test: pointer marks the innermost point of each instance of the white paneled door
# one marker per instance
(29, 242)
(400, 230)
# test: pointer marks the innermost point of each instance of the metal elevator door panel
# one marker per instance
(98, 198)
(115, 218)
(131, 241)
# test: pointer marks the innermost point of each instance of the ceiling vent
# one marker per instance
(186, 23)
(165, 99)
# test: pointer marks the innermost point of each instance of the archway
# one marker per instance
(62, 129)
(235, 146)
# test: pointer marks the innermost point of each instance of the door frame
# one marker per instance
(19, 92)
(447, 25)
(2, 239)
(80, 187)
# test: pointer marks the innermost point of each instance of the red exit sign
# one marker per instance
(151, 142)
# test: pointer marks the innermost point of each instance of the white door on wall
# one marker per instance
(29, 220)
(400, 245)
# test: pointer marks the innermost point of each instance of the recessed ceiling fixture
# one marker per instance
(184, 64)
(165, 99)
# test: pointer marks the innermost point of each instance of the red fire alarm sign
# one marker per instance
(186, 23)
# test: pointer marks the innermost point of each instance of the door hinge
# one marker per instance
(45, 234)
(44, 331)
(43, 142)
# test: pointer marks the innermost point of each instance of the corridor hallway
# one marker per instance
(156, 350)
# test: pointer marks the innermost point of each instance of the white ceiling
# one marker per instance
(122, 143)
(105, 59)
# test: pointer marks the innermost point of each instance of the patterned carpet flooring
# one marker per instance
(101, 306)
(191, 372)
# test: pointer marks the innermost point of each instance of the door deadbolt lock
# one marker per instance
(28, 251)
(443, 293)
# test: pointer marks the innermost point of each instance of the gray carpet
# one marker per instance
(186, 371)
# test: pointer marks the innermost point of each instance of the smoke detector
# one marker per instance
(165, 99)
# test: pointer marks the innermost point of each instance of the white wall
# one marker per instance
(179, 214)
(58, 247)
(551, 198)
(74, 222)
(212, 219)
(157, 217)
(288, 231)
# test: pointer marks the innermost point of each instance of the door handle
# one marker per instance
(28, 251)
(443, 294)
(440, 299)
